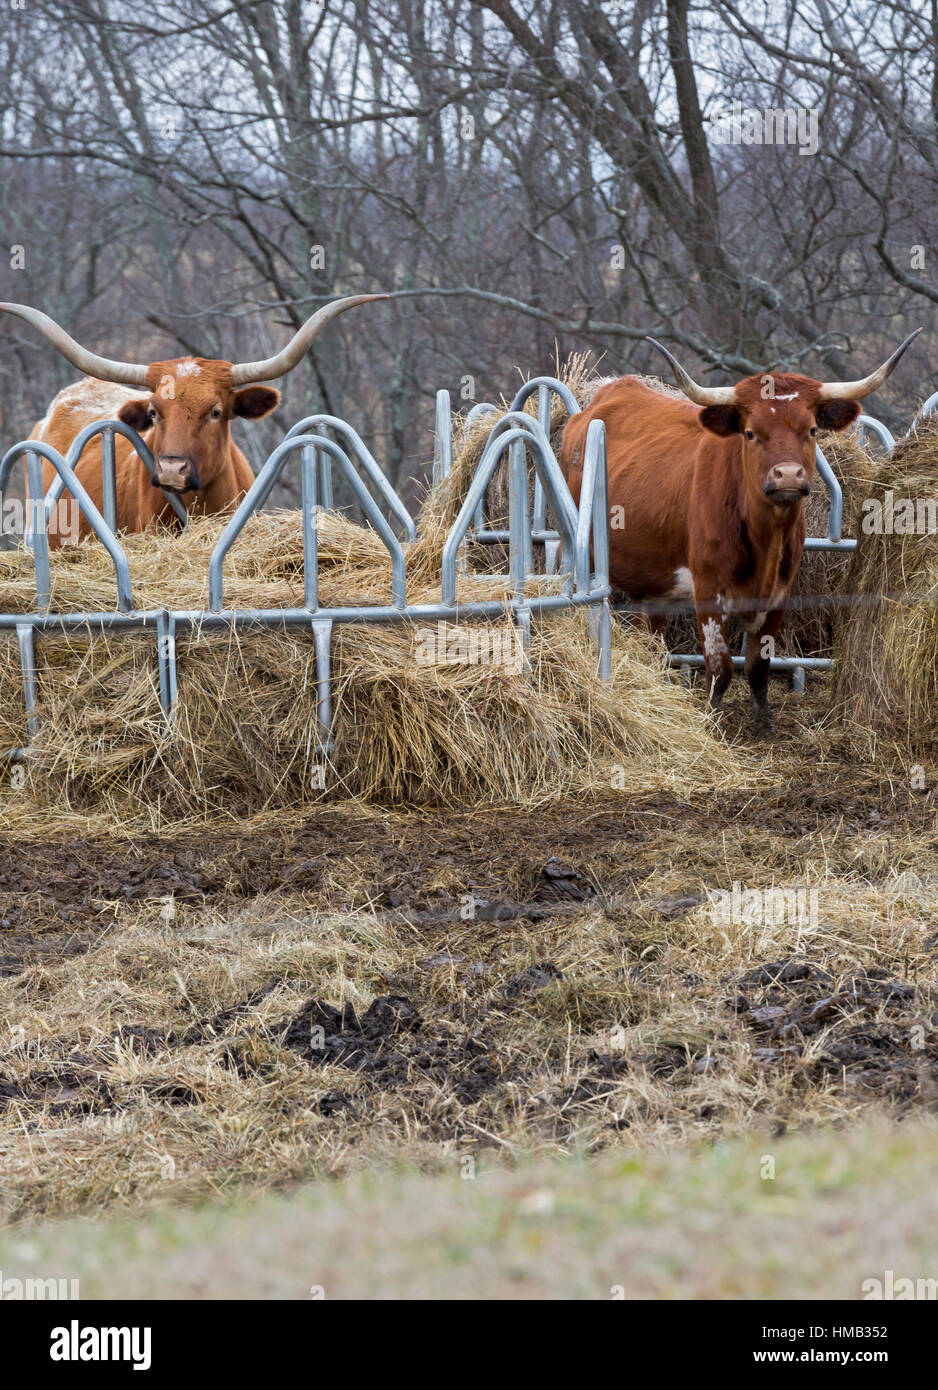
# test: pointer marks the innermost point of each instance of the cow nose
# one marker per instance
(788, 480)
(176, 474)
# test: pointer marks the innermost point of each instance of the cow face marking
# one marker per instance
(186, 419)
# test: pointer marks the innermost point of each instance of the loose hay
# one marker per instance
(160, 1035)
(246, 736)
(887, 638)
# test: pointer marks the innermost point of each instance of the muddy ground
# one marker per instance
(518, 864)
(255, 1003)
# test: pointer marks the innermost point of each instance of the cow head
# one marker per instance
(776, 417)
(191, 401)
(185, 419)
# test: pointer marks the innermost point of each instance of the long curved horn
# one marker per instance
(104, 368)
(856, 390)
(299, 345)
(700, 395)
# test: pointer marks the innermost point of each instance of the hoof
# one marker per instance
(762, 721)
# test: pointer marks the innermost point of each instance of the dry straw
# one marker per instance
(887, 639)
(822, 576)
(406, 731)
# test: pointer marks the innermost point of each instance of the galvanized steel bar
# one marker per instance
(166, 658)
(596, 499)
(885, 436)
(520, 419)
(543, 419)
(326, 489)
(442, 438)
(109, 479)
(108, 428)
(308, 472)
(521, 554)
(555, 485)
(37, 536)
(94, 518)
(559, 388)
(835, 518)
(479, 409)
(256, 618)
(322, 639)
(545, 387)
(261, 489)
(777, 663)
(25, 636)
(314, 424)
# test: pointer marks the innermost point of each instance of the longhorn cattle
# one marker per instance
(184, 416)
(706, 499)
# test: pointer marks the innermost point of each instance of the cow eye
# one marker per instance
(813, 431)
(216, 412)
(750, 434)
(151, 414)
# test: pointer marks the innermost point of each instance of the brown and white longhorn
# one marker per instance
(182, 407)
(706, 498)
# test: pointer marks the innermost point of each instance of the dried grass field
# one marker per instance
(230, 1005)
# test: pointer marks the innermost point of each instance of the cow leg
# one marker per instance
(758, 656)
(718, 665)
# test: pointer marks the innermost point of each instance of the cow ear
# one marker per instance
(721, 419)
(836, 415)
(136, 414)
(254, 402)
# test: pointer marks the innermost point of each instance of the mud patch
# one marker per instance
(390, 1046)
(875, 1031)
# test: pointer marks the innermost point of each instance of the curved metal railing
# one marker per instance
(582, 531)
(579, 536)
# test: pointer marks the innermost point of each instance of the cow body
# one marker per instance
(707, 506)
(140, 505)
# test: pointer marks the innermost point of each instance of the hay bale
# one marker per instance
(887, 631)
(808, 629)
(444, 500)
(405, 730)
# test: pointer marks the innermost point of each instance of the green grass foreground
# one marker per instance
(842, 1208)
